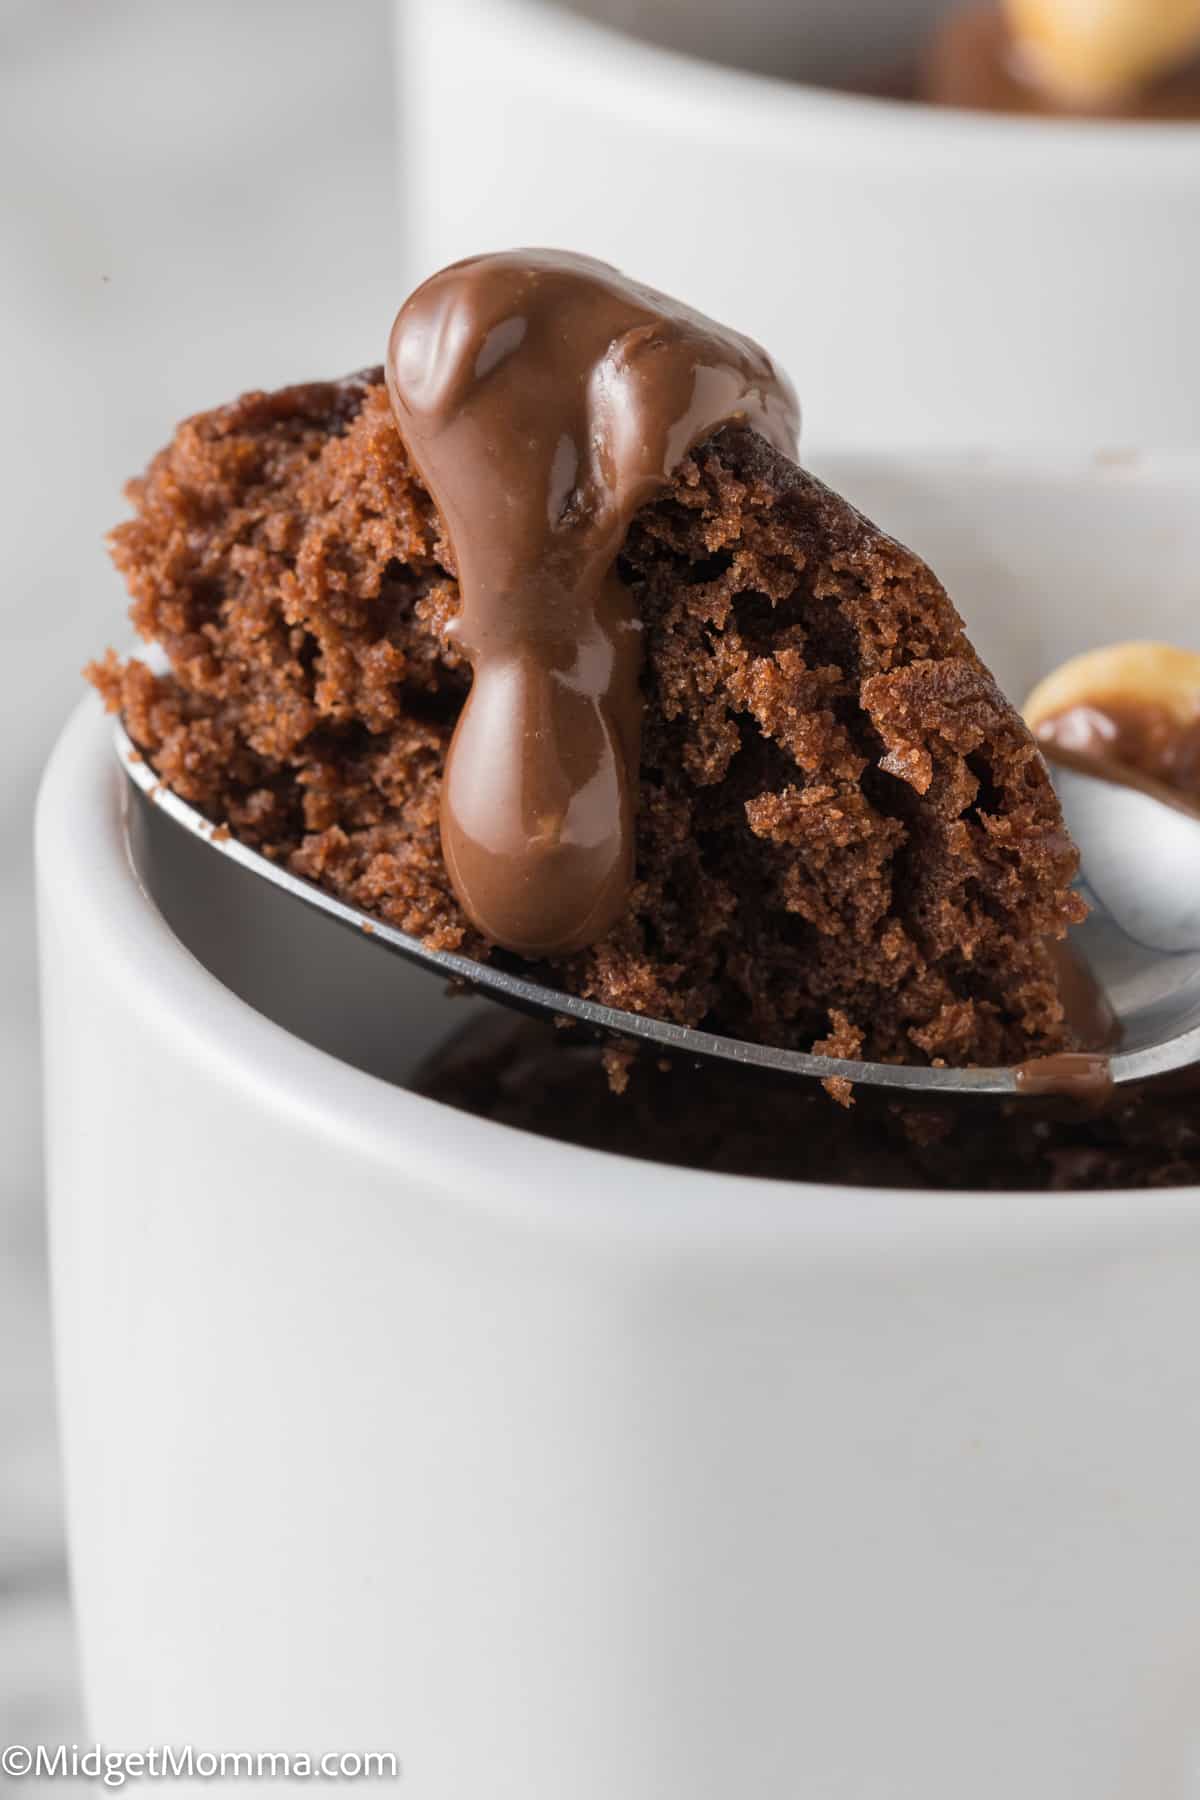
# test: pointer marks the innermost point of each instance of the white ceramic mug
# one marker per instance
(927, 276)
(566, 1477)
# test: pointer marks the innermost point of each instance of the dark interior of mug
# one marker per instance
(822, 41)
(323, 982)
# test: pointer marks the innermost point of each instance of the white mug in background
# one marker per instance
(926, 276)
(566, 1477)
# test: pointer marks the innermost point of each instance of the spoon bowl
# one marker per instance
(1140, 875)
(1141, 943)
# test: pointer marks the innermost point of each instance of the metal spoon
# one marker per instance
(1141, 874)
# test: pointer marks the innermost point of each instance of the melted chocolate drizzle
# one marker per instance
(544, 400)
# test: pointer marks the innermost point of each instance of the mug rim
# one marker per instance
(84, 866)
(670, 88)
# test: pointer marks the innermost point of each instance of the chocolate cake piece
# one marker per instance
(846, 836)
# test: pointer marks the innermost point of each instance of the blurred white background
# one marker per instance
(197, 197)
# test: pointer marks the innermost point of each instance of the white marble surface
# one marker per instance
(197, 197)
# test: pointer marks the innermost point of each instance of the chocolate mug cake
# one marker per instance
(539, 643)
(557, 651)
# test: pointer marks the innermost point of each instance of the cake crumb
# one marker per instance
(618, 1058)
(840, 1089)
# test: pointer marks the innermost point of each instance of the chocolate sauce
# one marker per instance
(1073, 1074)
(1135, 742)
(1076, 1074)
(544, 400)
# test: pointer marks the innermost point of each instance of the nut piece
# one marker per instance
(1137, 673)
(1084, 52)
